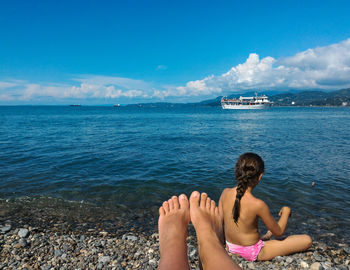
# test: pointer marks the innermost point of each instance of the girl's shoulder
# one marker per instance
(257, 202)
(228, 192)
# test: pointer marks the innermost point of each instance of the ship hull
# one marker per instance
(245, 107)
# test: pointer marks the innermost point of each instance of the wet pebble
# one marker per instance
(90, 249)
(5, 229)
(23, 233)
(316, 266)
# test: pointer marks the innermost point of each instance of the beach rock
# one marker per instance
(152, 262)
(104, 259)
(316, 266)
(23, 242)
(23, 233)
(6, 228)
(326, 265)
(129, 237)
(250, 265)
(289, 260)
(304, 264)
(58, 253)
(279, 258)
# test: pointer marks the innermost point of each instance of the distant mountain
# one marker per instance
(312, 98)
(292, 98)
(159, 105)
(296, 98)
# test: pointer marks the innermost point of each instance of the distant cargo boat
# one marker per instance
(246, 103)
(116, 105)
(75, 105)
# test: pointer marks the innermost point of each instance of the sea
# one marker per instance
(129, 159)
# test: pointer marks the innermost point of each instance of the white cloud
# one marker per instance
(4, 85)
(161, 67)
(322, 67)
(83, 88)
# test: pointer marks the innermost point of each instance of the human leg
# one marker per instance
(174, 217)
(292, 244)
(207, 223)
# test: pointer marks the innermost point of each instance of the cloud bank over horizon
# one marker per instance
(325, 68)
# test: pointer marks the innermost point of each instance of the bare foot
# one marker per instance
(208, 225)
(174, 217)
(205, 215)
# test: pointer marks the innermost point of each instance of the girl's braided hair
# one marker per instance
(248, 168)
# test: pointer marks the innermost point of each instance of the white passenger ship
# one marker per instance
(257, 102)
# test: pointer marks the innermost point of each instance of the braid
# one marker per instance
(241, 188)
(247, 171)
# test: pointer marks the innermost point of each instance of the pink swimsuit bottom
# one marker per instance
(250, 253)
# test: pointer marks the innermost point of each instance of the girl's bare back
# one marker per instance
(245, 232)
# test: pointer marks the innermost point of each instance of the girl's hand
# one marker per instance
(266, 236)
(285, 210)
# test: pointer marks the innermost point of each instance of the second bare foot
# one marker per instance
(174, 217)
(205, 215)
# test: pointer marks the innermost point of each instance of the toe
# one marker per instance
(203, 200)
(212, 206)
(183, 201)
(216, 210)
(171, 204)
(161, 211)
(166, 207)
(175, 202)
(208, 203)
(194, 199)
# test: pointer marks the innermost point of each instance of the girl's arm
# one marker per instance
(268, 234)
(276, 229)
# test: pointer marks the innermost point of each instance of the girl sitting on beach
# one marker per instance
(240, 212)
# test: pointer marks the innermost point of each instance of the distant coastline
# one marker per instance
(316, 98)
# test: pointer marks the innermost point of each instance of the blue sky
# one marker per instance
(105, 52)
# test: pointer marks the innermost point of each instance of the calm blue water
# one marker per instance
(140, 157)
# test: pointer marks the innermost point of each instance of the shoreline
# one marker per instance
(70, 236)
(37, 248)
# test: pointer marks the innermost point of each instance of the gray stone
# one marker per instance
(129, 237)
(320, 258)
(152, 262)
(316, 266)
(23, 233)
(279, 258)
(6, 228)
(251, 265)
(104, 259)
(304, 264)
(327, 265)
(58, 253)
(347, 250)
(289, 259)
(23, 242)
(192, 253)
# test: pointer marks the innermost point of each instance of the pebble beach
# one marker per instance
(38, 237)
